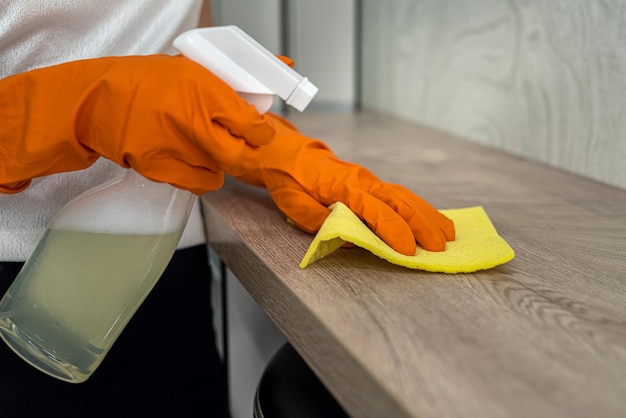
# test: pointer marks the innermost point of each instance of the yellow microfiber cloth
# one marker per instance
(477, 245)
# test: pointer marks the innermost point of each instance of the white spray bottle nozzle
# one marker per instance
(244, 64)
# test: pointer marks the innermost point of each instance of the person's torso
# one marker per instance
(40, 33)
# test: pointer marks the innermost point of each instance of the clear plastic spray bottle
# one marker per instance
(106, 249)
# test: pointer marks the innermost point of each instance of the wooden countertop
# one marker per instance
(541, 336)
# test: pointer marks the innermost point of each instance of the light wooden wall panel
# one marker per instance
(545, 79)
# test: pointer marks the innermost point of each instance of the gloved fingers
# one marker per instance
(232, 154)
(245, 122)
(212, 100)
(180, 173)
(239, 117)
(302, 209)
(127, 108)
(387, 224)
(421, 216)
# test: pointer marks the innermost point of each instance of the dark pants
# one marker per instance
(165, 363)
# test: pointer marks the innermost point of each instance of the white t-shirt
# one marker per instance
(39, 33)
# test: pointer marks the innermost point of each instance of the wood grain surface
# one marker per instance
(543, 78)
(541, 336)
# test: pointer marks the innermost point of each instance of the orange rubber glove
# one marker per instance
(303, 177)
(166, 117)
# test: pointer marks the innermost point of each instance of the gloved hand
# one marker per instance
(166, 117)
(304, 177)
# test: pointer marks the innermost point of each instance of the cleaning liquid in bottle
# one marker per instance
(106, 249)
(97, 261)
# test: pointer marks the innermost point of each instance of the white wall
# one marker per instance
(540, 78)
